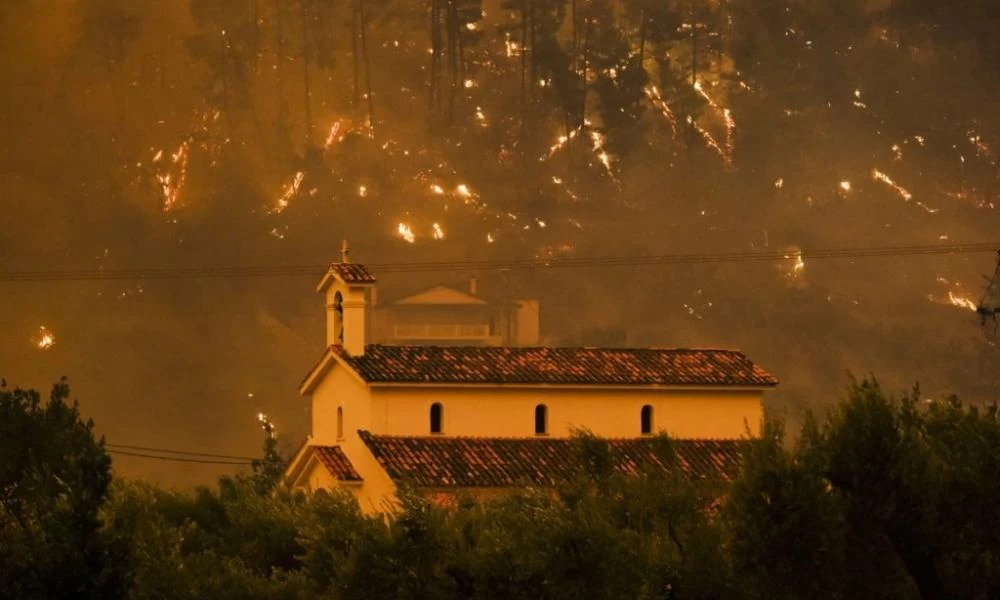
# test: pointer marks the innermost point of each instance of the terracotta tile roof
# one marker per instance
(567, 366)
(442, 462)
(336, 462)
(353, 273)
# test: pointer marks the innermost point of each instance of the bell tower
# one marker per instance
(346, 288)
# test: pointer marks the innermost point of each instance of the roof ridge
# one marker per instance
(532, 438)
(589, 348)
(545, 365)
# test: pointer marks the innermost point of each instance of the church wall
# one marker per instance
(499, 411)
(339, 388)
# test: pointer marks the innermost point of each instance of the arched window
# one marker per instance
(338, 318)
(541, 419)
(437, 417)
(646, 419)
(340, 422)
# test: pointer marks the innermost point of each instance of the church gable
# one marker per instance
(315, 467)
(441, 295)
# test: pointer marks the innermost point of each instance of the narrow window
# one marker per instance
(338, 318)
(647, 420)
(340, 422)
(436, 417)
(541, 420)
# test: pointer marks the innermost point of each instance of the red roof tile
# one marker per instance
(336, 462)
(353, 273)
(567, 366)
(442, 462)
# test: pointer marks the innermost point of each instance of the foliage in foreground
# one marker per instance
(887, 497)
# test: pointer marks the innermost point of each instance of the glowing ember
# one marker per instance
(437, 189)
(469, 83)
(362, 191)
(845, 185)
(653, 93)
(961, 301)
(779, 183)
(45, 339)
(438, 232)
(332, 136)
(172, 183)
(489, 238)
(289, 191)
(709, 139)
(266, 424)
(510, 46)
(598, 147)
(463, 190)
(561, 142)
(796, 267)
(901, 191)
(480, 116)
(730, 139)
(405, 232)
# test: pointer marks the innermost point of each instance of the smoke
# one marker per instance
(161, 134)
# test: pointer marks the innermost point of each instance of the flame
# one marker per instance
(561, 142)
(405, 232)
(961, 301)
(438, 232)
(903, 192)
(171, 186)
(653, 93)
(266, 424)
(797, 267)
(45, 339)
(291, 188)
(725, 150)
(511, 47)
(332, 136)
(710, 140)
(598, 147)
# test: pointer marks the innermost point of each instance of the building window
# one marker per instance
(437, 417)
(338, 318)
(340, 422)
(541, 419)
(647, 420)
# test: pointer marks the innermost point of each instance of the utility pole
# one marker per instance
(989, 304)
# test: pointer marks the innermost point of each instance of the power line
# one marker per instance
(179, 459)
(497, 264)
(181, 452)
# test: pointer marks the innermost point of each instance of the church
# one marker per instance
(484, 418)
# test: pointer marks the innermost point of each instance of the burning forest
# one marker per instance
(170, 171)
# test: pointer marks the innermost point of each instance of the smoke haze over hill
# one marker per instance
(143, 135)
